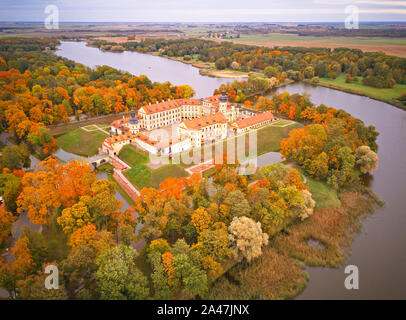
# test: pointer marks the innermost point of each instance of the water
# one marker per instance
(379, 251)
(155, 68)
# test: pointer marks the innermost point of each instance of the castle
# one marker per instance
(198, 121)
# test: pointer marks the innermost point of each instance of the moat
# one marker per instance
(379, 249)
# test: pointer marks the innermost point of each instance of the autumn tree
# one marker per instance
(15, 157)
(366, 159)
(246, 238)
(6, 222)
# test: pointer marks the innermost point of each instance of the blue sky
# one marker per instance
(203, 10)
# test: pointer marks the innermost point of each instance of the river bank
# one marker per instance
(391, 101)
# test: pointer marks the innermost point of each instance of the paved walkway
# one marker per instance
(96, 128)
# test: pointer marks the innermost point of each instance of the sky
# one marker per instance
(203, 10)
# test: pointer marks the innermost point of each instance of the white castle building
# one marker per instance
(199, 121)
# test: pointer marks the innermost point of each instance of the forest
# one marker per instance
(38, 88)
(297, 63)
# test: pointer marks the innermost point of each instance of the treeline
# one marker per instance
(38, 88)
(297, 63)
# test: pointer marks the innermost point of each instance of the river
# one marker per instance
(379, 251)
(155, 68)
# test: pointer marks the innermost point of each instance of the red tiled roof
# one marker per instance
(258, 118)
(169, 105)
(213, 98)
(146, 139)
(204, 121)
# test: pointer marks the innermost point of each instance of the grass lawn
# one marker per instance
(385, 94)
(141, 175)
(324, 196)
(80, 142)
(269, 138)
(2, 145)
(133, 156)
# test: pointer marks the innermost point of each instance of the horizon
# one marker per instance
(184, 11)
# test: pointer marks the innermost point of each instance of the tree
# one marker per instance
(215, 242)
(6, 222)
(78, 268)
(366, 159)
(158, 277)
(192, 279)
(160, 245)
(10, 186)
(221, 63)
(117, 276)
(23, 264)
(308, 72)
(201, 220)
(270, 72)
(306, 209)
(15, 157)
(74, 218)
(237, 203)
(8, 280)
(39, 195)
(32, 288)
(86, 234)
(246, 238)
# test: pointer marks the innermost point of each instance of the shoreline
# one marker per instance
(392, 102)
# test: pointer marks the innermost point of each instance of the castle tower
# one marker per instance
(223, 103)
(133, 122)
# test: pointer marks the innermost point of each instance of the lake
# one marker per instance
(379, 250)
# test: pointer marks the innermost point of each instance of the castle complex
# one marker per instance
(197, 121)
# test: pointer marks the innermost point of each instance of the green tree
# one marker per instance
(117, 276)
(15, 157)
(239, 206)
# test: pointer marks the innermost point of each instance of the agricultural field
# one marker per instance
(391, 46)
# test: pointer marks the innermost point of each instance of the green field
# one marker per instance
(386, 94)
(285, 37)
(81, 142)
(324, 196)
(133, 156)
(141, 175)
(269, 138)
